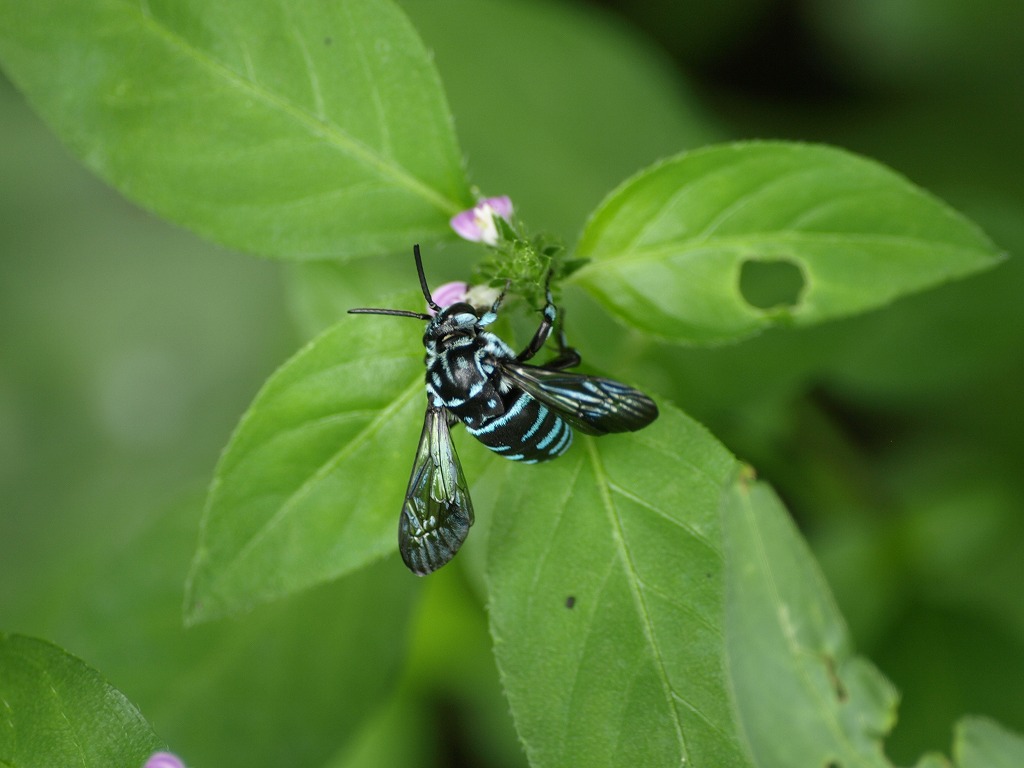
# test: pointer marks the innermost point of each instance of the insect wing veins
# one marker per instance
(437, 511)
(592, 404)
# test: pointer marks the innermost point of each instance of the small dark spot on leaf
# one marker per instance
(327, 41)
(771, 284)
(570, 601)
(832, 764)
(837, 684)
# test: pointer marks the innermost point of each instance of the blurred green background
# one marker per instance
(129, 348)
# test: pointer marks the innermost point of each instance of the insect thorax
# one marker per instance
(464, 374)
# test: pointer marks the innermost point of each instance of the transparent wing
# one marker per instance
(591, 404)
(437, 511)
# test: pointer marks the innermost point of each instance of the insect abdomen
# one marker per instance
(527, 431)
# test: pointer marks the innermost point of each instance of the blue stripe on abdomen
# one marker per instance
(527, 431)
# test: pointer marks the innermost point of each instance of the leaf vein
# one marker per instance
(747, 240)
(703, 539)
(63, 712)
(550, 543)
(677, 603)
(710, 723)
(290, 503)
(747, 198)
(615, 525)
(314, 79)
(378, 106)
(591, 626)
(332, 133)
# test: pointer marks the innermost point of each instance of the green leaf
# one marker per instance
(310, 486)
(607, 600)
(524, 137)
(980, 743)
(296, 129)
(669, 246)
(55, 710)
(801, 696)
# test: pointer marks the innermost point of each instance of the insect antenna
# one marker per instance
(404, 312)
(395, 312)
(423, 279)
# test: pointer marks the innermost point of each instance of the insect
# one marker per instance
(523, 412)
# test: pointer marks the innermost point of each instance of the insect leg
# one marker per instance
(492, 314)
(568, 357)
(501, 297)
(544, 330)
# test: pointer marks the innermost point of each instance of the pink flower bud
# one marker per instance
(163, 760)
(477, 224)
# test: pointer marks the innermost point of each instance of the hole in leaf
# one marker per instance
(771, 284)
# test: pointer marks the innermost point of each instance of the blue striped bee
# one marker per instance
(522, 412)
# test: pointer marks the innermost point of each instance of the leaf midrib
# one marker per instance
(750, 240)
(292, 500)
(333, 134)
(615, 526)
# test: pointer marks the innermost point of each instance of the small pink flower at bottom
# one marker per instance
(448, 294)
(164, 760)
(477, 224)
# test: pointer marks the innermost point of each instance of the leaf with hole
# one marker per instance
(295, 129)
(670, 247)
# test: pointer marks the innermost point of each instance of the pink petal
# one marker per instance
(164, 760)
(448, 294)
(477, 224)
(500, 205)
(465, 226)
